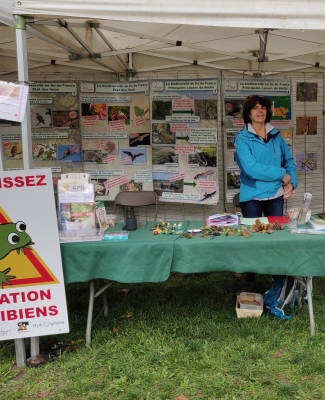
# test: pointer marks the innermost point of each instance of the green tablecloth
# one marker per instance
(148, 258)
(280, 253)
(144, 257)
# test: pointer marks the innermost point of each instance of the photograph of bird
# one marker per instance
(40, 119)
(40, 152)
(14, 151)
(132, 155)
(66, 153)
(208, 195)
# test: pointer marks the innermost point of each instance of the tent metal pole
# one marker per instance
(2, 165)
(26, 136)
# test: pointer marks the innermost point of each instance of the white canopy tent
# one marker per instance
(149, 37)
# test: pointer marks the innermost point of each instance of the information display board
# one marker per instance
(54, 116)
(184, 140)
(32, 292)
(115, 131)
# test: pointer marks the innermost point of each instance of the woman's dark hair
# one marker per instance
(250, 102)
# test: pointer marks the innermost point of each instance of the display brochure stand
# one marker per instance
(304, 208)
(76, 209)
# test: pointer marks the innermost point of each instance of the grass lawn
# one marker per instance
(180, 340)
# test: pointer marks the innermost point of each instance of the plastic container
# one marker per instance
(81, 235)
(119, 235)
(249, 305)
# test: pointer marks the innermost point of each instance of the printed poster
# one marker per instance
(116, 139)
(32, 292)
(184, 140)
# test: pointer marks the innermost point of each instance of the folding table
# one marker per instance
(145, 257)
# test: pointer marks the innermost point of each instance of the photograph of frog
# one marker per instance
(41, 117)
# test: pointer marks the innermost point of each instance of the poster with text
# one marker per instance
(115, 131)
(184, 140)
(55, 123)
(32, 292)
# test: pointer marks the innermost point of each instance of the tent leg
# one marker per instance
(310, 306)
(90, 312)
(20, 353)
(22, 63)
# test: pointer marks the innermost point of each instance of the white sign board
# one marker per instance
(32, 292)
(13, 100)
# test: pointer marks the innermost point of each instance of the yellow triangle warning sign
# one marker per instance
(20, 265)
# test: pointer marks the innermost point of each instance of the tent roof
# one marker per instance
(280, 14)
(146, 38)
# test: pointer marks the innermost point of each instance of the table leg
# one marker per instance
(310, 306)
(90, 313)
(300, 295)
(105, 305)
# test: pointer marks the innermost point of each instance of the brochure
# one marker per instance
(223, 220)
(317, 223)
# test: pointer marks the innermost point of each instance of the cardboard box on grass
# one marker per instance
(249, 305)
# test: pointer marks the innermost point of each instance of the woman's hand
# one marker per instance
(288, 189)
(286, 179)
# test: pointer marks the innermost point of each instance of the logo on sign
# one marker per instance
(22, 326)
(5, 330)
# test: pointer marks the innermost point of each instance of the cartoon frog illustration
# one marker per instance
(13, 236)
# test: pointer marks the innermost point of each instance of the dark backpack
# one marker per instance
(281, 293)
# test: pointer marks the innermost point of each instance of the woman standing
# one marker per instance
(268, 172)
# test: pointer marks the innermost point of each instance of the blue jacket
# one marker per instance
(263, 165)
